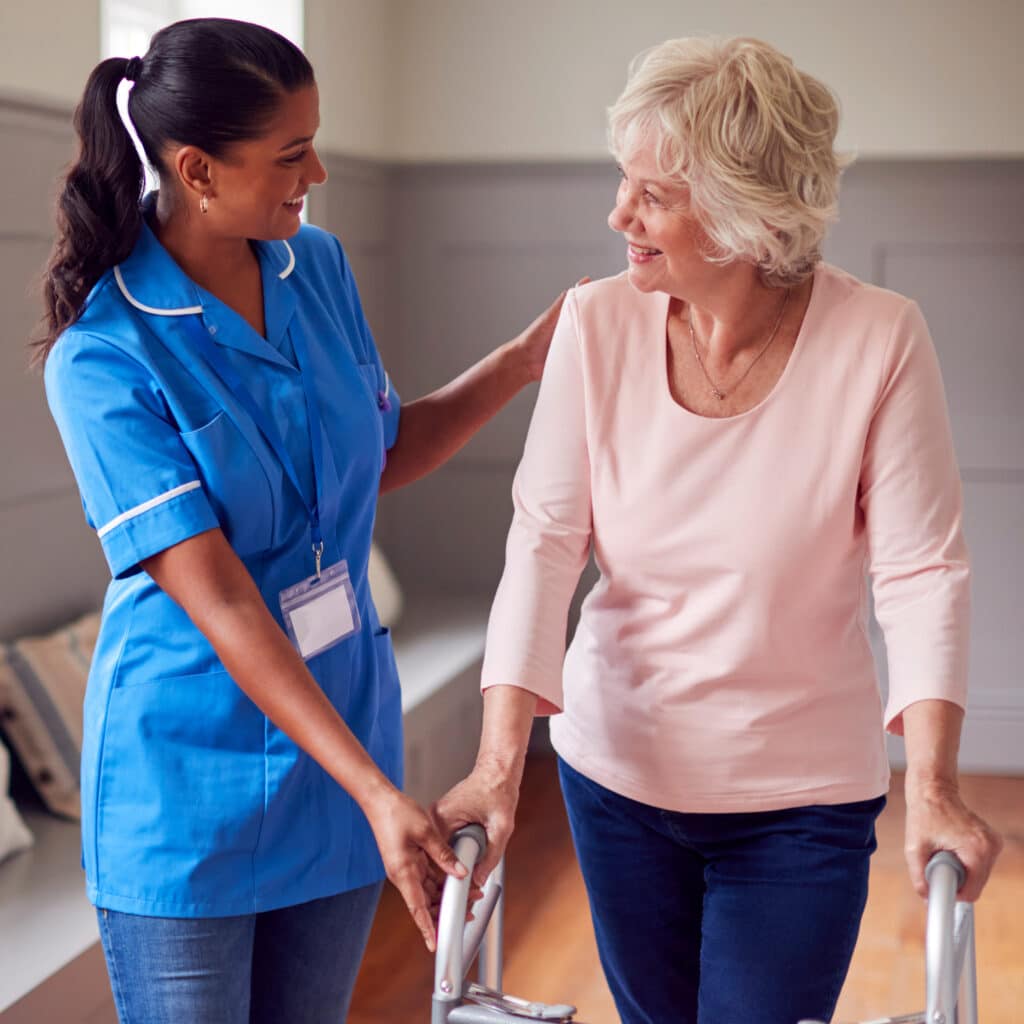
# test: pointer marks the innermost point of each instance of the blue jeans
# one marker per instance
(297, 964)
(721, 918)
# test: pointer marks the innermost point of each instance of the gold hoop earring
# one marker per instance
(204, 204)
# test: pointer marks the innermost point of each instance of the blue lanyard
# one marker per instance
(266, 427)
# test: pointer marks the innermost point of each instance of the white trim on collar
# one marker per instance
(186, 310)
(291, 261)
(180, 311)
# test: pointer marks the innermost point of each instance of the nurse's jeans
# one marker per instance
(721, 918)
(296, 965)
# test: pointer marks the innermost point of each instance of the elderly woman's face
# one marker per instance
(664, 241)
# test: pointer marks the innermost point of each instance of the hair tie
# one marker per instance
(133, 69)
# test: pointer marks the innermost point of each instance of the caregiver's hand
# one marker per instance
(410, 846)
(534, 342)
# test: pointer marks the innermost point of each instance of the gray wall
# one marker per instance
(455, 259)
(51, 567)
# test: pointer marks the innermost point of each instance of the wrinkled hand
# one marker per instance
(487, 798)
(414, 856)
(535, 341)
(938, 819)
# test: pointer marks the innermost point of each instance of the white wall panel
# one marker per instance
(484, 79)
(47, 49)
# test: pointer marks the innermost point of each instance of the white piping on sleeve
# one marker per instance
(387, 384)
(291, 261)
(146, 506)
(182, 311)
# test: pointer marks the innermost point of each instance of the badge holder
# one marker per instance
(320, 611)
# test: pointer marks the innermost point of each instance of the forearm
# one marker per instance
(931, 732)
(432, 429)
(505, 734)
(937, 818)
(490, 794)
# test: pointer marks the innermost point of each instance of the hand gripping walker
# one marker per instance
(951, 981)
(458, 943)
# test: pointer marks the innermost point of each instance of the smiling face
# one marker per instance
(664, 239)
(257, 189)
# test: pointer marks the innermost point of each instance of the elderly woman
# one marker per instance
(737, 431)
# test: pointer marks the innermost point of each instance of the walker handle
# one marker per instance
(458, 941)
(949, 945)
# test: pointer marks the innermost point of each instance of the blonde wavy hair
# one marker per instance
(751, 137)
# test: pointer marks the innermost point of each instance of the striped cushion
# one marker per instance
(42, 685)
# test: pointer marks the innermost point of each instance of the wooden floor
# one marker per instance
(549, 946)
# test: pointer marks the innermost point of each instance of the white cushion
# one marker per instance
(387, 594)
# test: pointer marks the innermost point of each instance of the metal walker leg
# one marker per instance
(458, 943)
(951, 981)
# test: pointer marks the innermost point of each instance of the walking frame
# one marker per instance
(951, 991)
(480, 1002)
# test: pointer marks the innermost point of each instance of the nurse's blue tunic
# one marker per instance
(194, 804)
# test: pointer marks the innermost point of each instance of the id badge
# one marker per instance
(320, 611)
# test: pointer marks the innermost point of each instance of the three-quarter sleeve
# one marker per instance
(141, 490)
(910, 494)
(549, 539)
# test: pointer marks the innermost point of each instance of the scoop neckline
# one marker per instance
(778, 386)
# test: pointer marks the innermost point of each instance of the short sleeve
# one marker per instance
(388, 401)
(140, 488)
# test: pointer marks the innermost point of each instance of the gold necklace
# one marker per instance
(715, 389)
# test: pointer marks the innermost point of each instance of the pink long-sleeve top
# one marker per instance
(721, 662)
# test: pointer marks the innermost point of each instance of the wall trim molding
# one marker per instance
(36, 106)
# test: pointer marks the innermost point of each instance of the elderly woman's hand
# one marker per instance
(486, 797)
(938, 819)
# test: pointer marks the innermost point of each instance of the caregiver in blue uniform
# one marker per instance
(229, 424)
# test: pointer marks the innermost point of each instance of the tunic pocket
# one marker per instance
(386, 742)
(235, 482)
(181, 791)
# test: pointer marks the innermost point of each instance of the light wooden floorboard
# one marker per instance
(550, 951)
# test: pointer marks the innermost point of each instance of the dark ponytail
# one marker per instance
(98, 216)
(207, 82)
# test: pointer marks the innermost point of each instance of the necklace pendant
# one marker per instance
(720, 395)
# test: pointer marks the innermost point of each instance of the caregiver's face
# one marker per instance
(260, 185)
(664, 242)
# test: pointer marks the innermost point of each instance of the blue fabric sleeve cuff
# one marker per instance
(150, 532)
